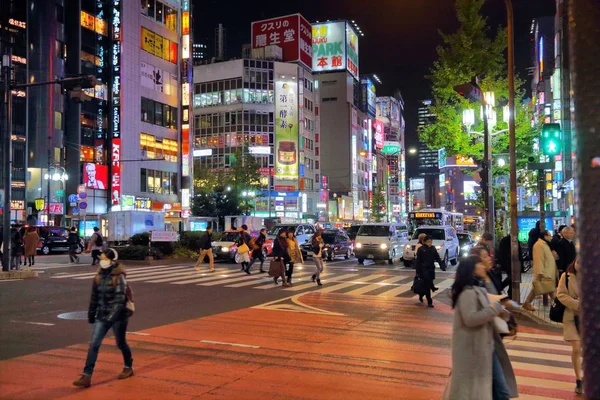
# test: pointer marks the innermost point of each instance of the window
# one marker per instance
(159, 182)
(60, 50)
(156, 147)
(58, 120)
(159, 114)
(160, 12)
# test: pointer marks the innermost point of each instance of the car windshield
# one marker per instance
(374, 230)
(436, 234)
(230, 237)
(463, 238)
(328, 238)
(276, 229)
(351, 231)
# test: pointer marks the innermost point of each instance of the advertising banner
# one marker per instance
(329, 46)
(291, 32)
(352, 51)
(383, 107)
(286, 134)
(379, 132)
(367, 98)
(95, 176)
(116, 172)
(395, 116)
(148, 41)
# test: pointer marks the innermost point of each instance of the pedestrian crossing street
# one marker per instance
(387, 284)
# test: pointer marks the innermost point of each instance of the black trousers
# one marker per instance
(290, 270)
(428, 286)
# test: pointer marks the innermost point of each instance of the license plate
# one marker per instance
(370, 256)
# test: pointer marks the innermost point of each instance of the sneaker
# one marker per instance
(85, 381)
(528, 307)
(126, 373)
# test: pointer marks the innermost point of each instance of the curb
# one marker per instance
(19, 274)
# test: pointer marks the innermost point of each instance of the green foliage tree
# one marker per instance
(378, 205)
(471, 52)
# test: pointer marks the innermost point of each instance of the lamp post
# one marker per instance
(247, 195)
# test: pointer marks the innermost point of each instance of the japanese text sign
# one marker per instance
(335, 47)
(286, 133)
(291, 32)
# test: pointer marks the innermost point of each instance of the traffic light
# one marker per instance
(551, 140)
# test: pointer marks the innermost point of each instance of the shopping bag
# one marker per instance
(418, 285)
(543, 286)
(276, 268)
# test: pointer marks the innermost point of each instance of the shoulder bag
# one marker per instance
(557, 309)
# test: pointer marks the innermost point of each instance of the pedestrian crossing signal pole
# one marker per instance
(584, 47)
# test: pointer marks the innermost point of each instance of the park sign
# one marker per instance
(390, 148)
(335, 48)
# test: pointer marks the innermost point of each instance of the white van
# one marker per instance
(444, 239)
(380, 241)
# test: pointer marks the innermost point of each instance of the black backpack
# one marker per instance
(99, 240)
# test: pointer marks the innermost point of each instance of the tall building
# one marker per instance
(428, 165)
(269, 109)
(199, 53)
(13, 34)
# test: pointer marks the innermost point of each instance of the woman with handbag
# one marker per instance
(108, 309)
(281, 257)
(544, 271)
(244, 248)
(473, 355)
(295, 255)
(504, 382)
(568, 294)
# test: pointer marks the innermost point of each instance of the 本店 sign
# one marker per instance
(286, 133)
(293, 33)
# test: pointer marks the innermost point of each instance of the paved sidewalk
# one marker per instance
(541, 312)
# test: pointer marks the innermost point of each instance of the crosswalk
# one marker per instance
(355, 283)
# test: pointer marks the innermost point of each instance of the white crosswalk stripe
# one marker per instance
(359, 283)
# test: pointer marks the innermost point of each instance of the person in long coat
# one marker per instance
(31, 240)
(544, 268)
(472, 335)
(427, 255)
(568, 294)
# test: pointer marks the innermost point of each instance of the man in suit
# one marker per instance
(566, 249)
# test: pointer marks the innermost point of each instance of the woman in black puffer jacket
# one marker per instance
(108, 310)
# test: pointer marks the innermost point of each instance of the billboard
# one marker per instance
(116, 172)
(383, 107)
(329, 46)
(352, 51)
(286, 134)
(379, 134)
(368, 96)
(95, 176)
(292, 33)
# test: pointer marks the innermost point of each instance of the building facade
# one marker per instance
(270, 110)
(428, 166)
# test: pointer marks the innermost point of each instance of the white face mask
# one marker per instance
(104, 264)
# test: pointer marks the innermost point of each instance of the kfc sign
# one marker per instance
(292, 33)
(115, 172)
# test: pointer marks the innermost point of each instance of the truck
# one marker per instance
(255, 224)
(122, 225)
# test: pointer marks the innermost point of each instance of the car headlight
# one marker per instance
(358, 245)
(383, 246)
(407, 247)
(225, 249)
(439, 247)
(465, 247)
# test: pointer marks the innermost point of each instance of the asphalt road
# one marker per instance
(30, 308)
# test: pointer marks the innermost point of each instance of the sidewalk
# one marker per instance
(541, 312)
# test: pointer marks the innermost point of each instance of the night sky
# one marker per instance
(400, 35)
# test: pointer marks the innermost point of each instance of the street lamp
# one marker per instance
(412, 150)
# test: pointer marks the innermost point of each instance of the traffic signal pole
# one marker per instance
(6, 157)
(584, 47)
(488, 190)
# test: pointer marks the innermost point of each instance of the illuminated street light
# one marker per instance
(501, 162)
(468, 118)
(412, 150)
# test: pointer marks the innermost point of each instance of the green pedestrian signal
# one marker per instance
(551, 140)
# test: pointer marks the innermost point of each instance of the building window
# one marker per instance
(153, 147)
(160, 12)
(159, 182)
(58, 120)
(61, 50)
(159, 114)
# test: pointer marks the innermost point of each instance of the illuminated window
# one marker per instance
(87, 154)
(153, 147)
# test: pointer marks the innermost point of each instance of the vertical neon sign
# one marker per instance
(115, 116)
(186, 81)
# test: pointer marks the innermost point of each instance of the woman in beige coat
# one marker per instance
(544, 269)
(31, 240)
(472, 335)
(294, 253)
(568, 294)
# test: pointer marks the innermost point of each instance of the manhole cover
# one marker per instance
(75, 315)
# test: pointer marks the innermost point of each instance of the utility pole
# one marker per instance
(584, 47)
(489, 191)
(7, 155)
(515, 263)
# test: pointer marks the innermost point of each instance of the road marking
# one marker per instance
(220, 281)
(311, 285)
(212, 276)
(137, 274)
(10, 280)
(248, 346)
(538, 356)
(340, 286)
(548, 346)
(445, 284)
(34, 323)
(266, 280)
(396, 291)
(157, 274)
(357, 358)
(542, 368)
(57, 276)
(558, 338)
(138, 333)
(181, 275)
(544, 383)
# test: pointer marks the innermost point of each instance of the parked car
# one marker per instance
(466, 243)
(444, 240)
(303, 232)
(54, 239)
(336, 244)
(380, 241)
(226, 247)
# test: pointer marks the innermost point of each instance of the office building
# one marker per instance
(428, 165)
(199, 53)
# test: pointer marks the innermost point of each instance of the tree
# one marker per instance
(378, 205)
(467, 54)
(218, 192)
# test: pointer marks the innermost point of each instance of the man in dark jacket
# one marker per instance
(534, 235)
(73, 243)
(206, 250)
(503, 258)
(566, 249)
(427, 255)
